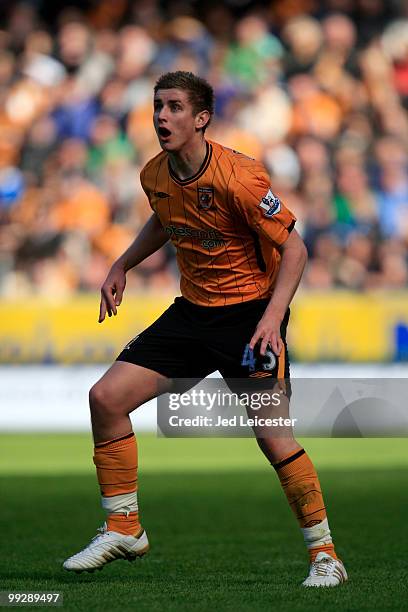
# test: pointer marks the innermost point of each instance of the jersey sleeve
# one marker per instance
(261, 209)
(144, 184)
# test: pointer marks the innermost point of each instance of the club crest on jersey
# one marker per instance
(270, 204)
(205, 197)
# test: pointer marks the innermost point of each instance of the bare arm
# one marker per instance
(294, 257)
(151, 237)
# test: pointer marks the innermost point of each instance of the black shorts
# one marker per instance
(191, 341)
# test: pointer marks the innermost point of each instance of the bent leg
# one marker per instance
(301, 485)
(122, 389)
(297, 477)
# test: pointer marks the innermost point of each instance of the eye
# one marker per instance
(176, 107)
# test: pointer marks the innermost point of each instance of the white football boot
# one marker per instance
(105, 547)
(325, 572)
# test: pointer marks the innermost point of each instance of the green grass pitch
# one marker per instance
(221, 533)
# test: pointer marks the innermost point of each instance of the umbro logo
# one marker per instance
(161, 194)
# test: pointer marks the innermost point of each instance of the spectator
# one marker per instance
(317, 90)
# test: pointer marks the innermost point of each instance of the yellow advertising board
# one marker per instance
(336, 326)
(343, 326)
(69, 332)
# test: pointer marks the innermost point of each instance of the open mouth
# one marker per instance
(164, 132)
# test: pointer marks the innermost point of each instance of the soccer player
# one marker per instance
(241, 261)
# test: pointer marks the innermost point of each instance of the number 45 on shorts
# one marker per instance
(268, 362)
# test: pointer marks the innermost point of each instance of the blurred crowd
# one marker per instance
(316, 89)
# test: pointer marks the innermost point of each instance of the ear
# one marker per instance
(201, 119)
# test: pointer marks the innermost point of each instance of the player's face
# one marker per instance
(174, 121)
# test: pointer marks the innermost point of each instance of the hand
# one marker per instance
(112, 292)
(268, 329)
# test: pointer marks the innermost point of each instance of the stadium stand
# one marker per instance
(317, 90)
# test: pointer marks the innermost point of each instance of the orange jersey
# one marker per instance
(225, 223)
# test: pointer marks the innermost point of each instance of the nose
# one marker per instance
(162, 116)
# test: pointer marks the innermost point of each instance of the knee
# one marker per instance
(101, 401)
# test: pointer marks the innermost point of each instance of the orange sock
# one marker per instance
(301, 485)
(116, 468)
(327, 548)
(127, 524)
